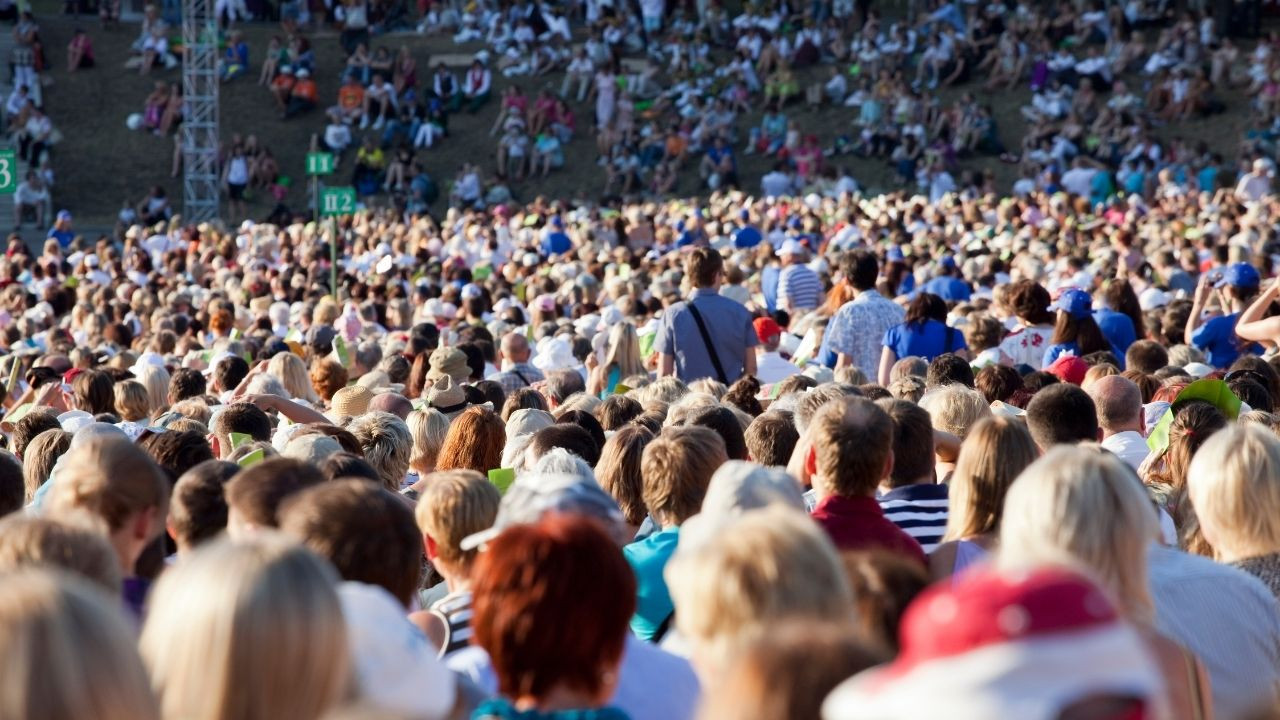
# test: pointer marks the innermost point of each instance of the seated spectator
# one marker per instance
(79, 51)
(302, 96)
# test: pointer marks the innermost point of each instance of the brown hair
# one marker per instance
(884, 584)
(30, 540)
(523, 399)
(42, 453)
(474, 442)
(676, 467)
(93, 392)
(702, 267)
(198, 511)
(618, 471)
(366, 532)
(257, 491)
(110, 478)
(912, 442)
(771, 438)
(993, 455)
(852, 442)
(455, 504)
(37, 421)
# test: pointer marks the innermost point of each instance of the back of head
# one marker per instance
(852, 441)
(12, 484)
(949, 369)
(996, 452)
(198, 511)
(1083, 507)
(860, 268)
(912, 443)
(1146, 356)
(69, 651)
(618, 471)
(703, 267)
(387, 445)
(72, 545)
(574, 438)
(94, 392)
(347, 465)
(811, 401)
(247, 629)
(618, 410)
(676, 467)
(1062, 414)
(109, 478)
(30, 426)
(254, 495)
(243, 418)
(884, 584)
(367, 533)
(177, 451)
(1234, 486)
(724, 423)
(455, 504)
(1118, 401)
(771, 438)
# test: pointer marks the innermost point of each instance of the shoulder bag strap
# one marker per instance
(520, 375)
(706, 339)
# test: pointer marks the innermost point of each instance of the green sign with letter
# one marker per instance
(337, 201)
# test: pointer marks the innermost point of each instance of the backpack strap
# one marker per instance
(706, 339)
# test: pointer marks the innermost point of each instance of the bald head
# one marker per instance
(394, 403)
(1119, 403)
(515, 347)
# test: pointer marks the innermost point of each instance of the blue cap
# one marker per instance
(557, 221)
(894, 254)
(1075, 303)
(947, 262)
(1239, 275)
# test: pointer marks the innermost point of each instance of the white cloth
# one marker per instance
(1129, 446)
(772, 368)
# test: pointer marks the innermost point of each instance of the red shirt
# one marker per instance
(858, 523)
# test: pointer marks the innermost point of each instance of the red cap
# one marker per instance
(766, 328)
(1069, 368)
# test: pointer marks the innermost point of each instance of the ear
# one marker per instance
(811, 462)
(215, 446)
(142, 524)
(1099, 435)
(429, 544)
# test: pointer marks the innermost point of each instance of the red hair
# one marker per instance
(552, 604)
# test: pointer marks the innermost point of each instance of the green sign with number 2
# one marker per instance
(338, 201)
(8, 171)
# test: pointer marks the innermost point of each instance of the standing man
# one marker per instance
(855, 331)
(516, 371)
(708, 335)
(1119, 403)
(799, 287)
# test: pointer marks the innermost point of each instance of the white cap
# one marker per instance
(791, 247)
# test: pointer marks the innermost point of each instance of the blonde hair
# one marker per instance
(997, 450)
(76, 546)
(247, 631)
(732, 578)
(714, 388)
(623, 351)
(1234, 486)
(455, 504)
(585, 402)
(955, 408)
(69, 652)
(428, 427)
(132, 401)
(291, 371)
(1082, 506)
(39, 457)
(156, 380)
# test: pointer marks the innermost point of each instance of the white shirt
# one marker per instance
(1129, 446)
(1077, 181)
(772, 368)
(776, 183)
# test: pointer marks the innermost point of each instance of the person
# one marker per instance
(1216, 335)
(923, 333)
(579, 578)
(621, 360)
(247, 629)
(303, 94)
(1062, 414)
(675, 468)
(476, 86)
(1026, 342)
(32, 196)
(1120, 416)
(707, 335)
(198, 508)
(948, 284)
(80, 51)
(1076, 332)
(910, 497)
(771, 367)
(61, 230)
(850, 453)
(996, 452)
(1232, 484)
(855, 332)
(799, 288)
(517, 372)
(1254, 184)
(1086, 507)
(77, 652)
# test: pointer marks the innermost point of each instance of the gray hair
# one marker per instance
(387, 445)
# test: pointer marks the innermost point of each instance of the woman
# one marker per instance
(474, 442)
(1084, 507)
(1234, 486)
(428, 428)
(621, 359)
(618, 472)
(235, 178)
(292, 374)
(247, 631)
(69, 652)
(1165, 473)
(997, 450)
(1076, 332)
(1120, 318)
(405, 74)
(132, 401)
(156, 379)
(924, 333)
(1025, 344)
(558, 589)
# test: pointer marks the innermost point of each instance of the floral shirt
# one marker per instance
(858, 327)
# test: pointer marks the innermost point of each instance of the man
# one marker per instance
(1146, 356)
(1119, 403)
(238, 419)
(1255, 184)
(1062, 414)
(911, 499)
(948, 285)
(771, 438)
(514, 353)
(799, 287)
(1079, 179)
(719, 167)
(771, 367)
(777, 182)
(33, 196)
(850, 453)
(254, 494)
(1216, 336)
(709, 335)
(675, 469)
(855, 332)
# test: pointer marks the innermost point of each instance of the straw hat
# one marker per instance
(351, 401)
(447, 397)
(448, 362)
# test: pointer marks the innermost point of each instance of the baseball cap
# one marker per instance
(1074, 302)
(534, 494)
(766, 327)
(1154, 298)
(1239, 274)
(1069, 368)
(791, 247)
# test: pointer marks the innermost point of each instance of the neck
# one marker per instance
(559, 698)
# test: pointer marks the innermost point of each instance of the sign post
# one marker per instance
(8, 172)
(335, 201)
(319, 163)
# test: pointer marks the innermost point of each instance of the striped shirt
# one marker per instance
(455, 610)
(799, 288)
(920, 510)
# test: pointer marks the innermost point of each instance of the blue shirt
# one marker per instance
(1117, 328)
(948, 288)
(648, 558)
(770, 276)
(729, 325)
(1217, 338)
(927, 340)
(64, 237)
(1052, 352)
(556, 243)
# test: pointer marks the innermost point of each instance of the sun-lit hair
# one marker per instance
(73, 544)
(132, 401)
(955, 408)
(156, 380)
(428, 428)
(1082, 506)
(387, 445)
(68, 651)
(997, 450)
(455, 504)
(1234, 486)
(292, 373)
(248, 630)
(474, 442)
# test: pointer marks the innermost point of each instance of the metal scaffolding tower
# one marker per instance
(200, 114)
